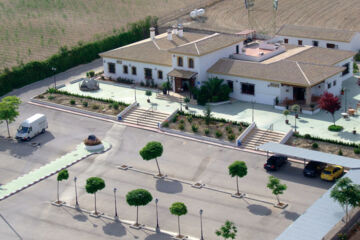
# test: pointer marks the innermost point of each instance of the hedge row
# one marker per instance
(22, 75)
(53, 90)
(308, 136)
(223, 120)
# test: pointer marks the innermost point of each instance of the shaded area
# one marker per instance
(114, 229)
(159, 236)
(169, 186)
(290, 215)
(259, 210)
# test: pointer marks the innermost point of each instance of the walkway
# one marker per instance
(46, 171)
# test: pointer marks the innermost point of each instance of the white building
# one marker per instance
(257, 71)
(319, 37)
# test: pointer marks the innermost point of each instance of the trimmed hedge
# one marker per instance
(65, 59)
(335, 128)
(308, 136)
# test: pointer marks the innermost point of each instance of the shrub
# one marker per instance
(41, 96)
(335, 128)
(175, 118)
(228, 128)
(231, 137)
(348, 144)
(357, 150)
(206, 131)
(124, 80)
(315, 145)
(52, 90)
(195, 128)
(95, 106)
(218, 134)
(182, 121)
(240, 128)
(72, 102)
(51, 97)
(307, 136)
(115, 105)
(189, 118)
(90, 74)
(166, 124)
(85, 104)
(340, 153)
(142, 84)
(181, 126)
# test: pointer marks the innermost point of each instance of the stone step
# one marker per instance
(144, 117)
(138, 114)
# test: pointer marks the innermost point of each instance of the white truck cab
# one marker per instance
(32, 126)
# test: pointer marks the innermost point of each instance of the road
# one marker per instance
(30, 215)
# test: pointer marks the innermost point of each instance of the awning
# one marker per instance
(181, 74)
(310, 155)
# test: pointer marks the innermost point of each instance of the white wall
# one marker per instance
(140, 73)
(333, 89)
(342, 63)
(286, 92)
(355, 43)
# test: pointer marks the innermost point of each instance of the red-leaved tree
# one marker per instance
(330, 103)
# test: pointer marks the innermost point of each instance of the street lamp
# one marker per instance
(76, 197)
(54, 70)
(135, 89)
(157, 216)
(116, 215)
(201, 226)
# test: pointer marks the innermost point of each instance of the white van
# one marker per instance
(32, 126)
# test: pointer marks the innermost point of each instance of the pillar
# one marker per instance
(308, 96)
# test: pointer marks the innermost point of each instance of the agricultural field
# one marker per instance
(36, 29)
(231, 15)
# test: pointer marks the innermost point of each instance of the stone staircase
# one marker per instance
(143, 117)
(258, 137)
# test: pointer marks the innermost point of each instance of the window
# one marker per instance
(315, 43)
(111, 67)
(133, 70)
(237, 49)
(180, 61)
(286, 40)
(231, 85)
(191, 63)
(160, 74)
(125, 69)
(300, 43)
(247, 88)
(148, 73)
(346, 71)
(329, 85)
(334, 83)
(330, 45)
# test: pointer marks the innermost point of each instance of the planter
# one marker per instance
(148, 100)
(287, 121)
(95, 148)
(235, 195)
(281, 205)
(297, 115)
(164, 91)
(354, 132)
(186, 107)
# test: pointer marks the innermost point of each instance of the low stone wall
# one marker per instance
(219, 103)
(126, 110)
(73, 109)
(169, 118)
(244, 134)
(287, 136)
(128, 86)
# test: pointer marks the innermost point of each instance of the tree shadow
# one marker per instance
(169, 186)
(80, 217)
(159, 236)
(114, 229)
(290, 215)
(259, 210)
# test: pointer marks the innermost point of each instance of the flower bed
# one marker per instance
(104, 106)
(218, 128)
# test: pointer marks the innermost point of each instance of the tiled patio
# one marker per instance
(264, 115)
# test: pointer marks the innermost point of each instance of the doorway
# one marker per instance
(298, 94)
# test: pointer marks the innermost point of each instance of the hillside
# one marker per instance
(36, 29)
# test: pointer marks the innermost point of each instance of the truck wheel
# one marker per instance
(43, 131)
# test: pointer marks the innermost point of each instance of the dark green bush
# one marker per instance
(124, 80)
(41, 96)
(206, 131)
(72, 102)
(182, 121)
(95, 106)
(85, 104)
(194, 128)
(189, 118)
(231, 137)
(181, 126)
(115, 105)
(335, 128)
(307, 136)
(51, 97)
(166, 124)
(315, 145)
(90, 74)
(218, 134)
(357, 150)
(213, 90)
(31, 72)
(340, 153)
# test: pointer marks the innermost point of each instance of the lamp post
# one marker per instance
(54, 70)
(252, 110)
(135, 90)
(201, 226)
(76, 197)
(116, 215)
(157, 216)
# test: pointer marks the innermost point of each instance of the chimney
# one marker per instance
(169, 34)
(152, 33)
(180, 31)
(174, 29)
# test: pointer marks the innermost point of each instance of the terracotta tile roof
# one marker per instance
(323, 56)
(181, 73)
(284, 71)
(208, 44)
(316, 33)
(152, 51)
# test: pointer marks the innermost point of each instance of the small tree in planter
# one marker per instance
(152, 150)
(207, 114)
(295, 108)
(277, 189)
(178, 209)
(238, 169)
(186, 101)
(93, 185)
(330, 103)
(148, 93)
(62, 175)
(138, 197)
(228, 230)
(286, 113)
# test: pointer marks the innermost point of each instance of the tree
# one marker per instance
(330, 103)
(138, 197)
(355, 68)
(295, 108)
(238, 169)
(207, 114)
(276, 187)
(228, 230)
(152, 150)
(148, 93)
(62, 175)
(347, 194)
(93, 185)
(9, 110)
(178, 209)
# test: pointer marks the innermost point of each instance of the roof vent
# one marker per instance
(169, 34)
(152, 33)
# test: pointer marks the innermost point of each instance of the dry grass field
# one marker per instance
(36, 29)
(231, 16)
